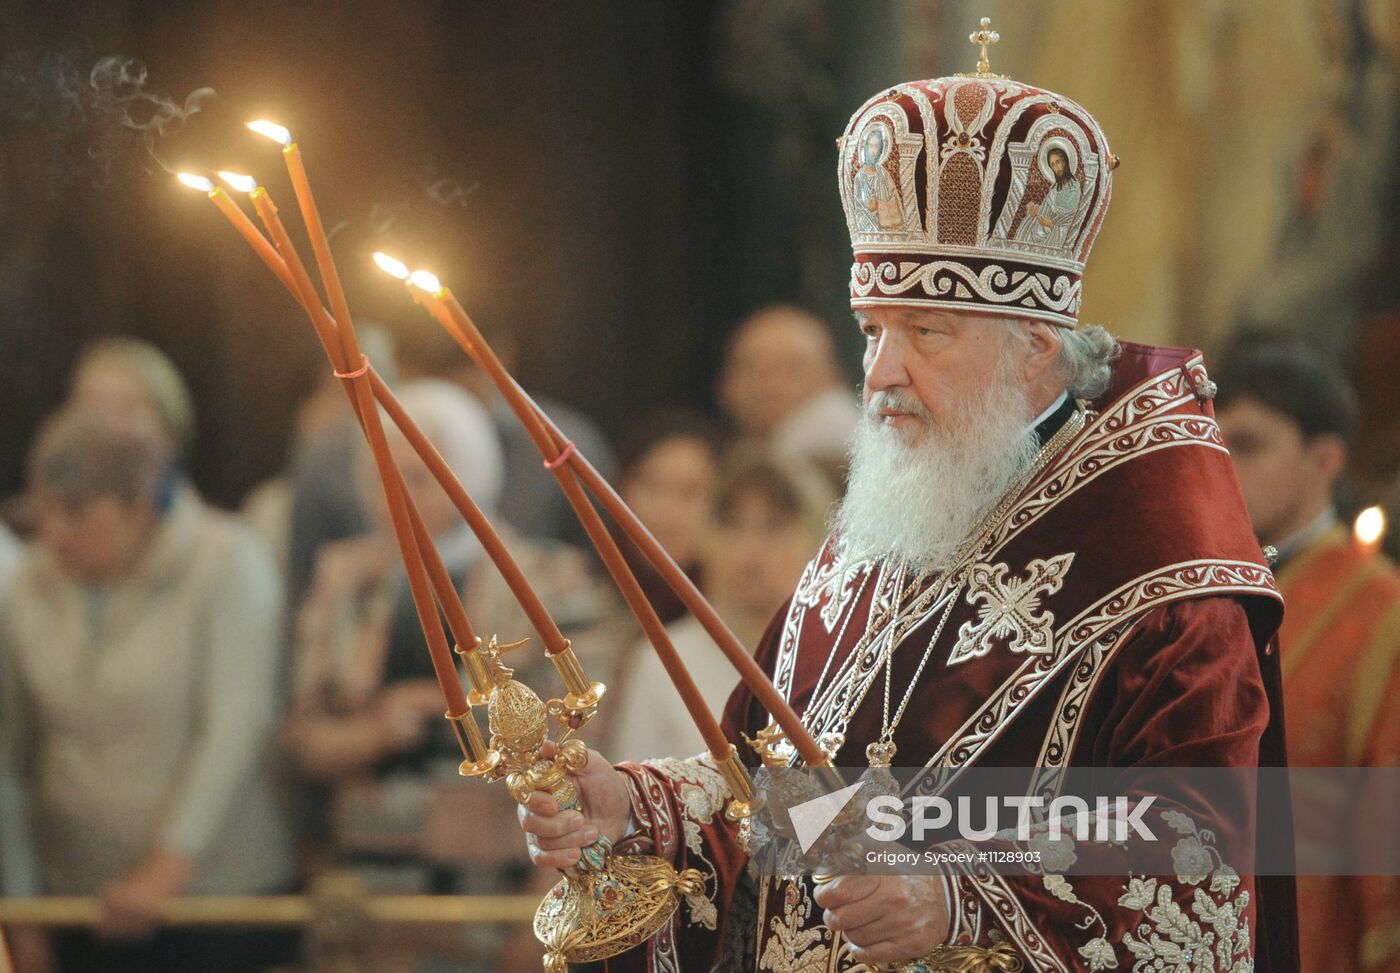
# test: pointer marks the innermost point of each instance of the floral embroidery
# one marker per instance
(794, 948)
(1099, 954)
(1167, 937)
(702, 794)
(1210, 935)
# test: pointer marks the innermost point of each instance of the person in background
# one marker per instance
(669, 470)
(10, 551)
(770, 516)
(129, 381)
(1286, 417)
(782, 386)
(533, 503)
(134, 383)
(366, 721)
(139, 653)
(316, 501)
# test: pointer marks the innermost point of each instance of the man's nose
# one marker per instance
(885, 366)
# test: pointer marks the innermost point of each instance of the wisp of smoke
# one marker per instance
(118, 95)
(86, 118)
(445, 192)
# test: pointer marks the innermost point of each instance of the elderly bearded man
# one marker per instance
(1042, 559)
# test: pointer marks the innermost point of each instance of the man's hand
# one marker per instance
(131, 906)
(886, 918)
(556, 840)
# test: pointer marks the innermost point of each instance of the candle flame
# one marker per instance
(196, 182)
(391, 266)
(425, 281)
(1370, 526)
(240, 182)
(278, 133)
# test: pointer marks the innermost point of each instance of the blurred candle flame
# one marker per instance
(1370, 526)
(391, 266)
(240, 182)
(278, 133)
(425, 281)
(196, 182)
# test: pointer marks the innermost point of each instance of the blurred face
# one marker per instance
(1286, 481)
(873, 145)
(98, 542)
(756, 555)
(110, 390)
(437, 510)
(776, 363)
(672, 490)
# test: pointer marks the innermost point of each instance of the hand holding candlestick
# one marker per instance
(607, 903)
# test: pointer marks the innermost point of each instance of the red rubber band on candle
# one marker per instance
(363, 369)
(561, 459)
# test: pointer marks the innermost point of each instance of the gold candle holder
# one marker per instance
(607, 903)
(582, 695)
(478, 671)
(736, 776)
(479, 760)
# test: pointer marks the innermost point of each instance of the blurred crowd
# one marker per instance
(196, 701)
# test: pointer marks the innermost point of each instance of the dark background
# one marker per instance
(578, 173)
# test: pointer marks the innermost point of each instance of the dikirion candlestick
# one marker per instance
(567, 463)
(428, 576)
(607, 903)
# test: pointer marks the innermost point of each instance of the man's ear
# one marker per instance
(1043, 343)
(1329, 456)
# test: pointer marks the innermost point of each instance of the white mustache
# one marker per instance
(897, 400)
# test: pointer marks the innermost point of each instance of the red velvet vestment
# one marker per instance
(1120, 615)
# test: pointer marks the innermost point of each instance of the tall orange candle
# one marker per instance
(242, 224)
(324, 325)
(563, 460)
(613, 560)
(401, 514)
(320, 243)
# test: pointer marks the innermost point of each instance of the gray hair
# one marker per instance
(1086, 360)
(84, 458)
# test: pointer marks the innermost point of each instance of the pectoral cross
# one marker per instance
(984, 37)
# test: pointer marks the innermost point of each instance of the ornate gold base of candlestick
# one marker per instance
(608, 904)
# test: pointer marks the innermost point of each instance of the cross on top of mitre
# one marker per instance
(984, 37)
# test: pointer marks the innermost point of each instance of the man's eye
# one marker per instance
(870, 330)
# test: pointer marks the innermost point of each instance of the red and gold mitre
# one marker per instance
(973, 192)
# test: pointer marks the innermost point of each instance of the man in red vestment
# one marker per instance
(1042, 560)
(1287, 418)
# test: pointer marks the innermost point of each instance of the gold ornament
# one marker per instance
(607, 903)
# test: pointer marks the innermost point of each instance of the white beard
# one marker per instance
(916, 504)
